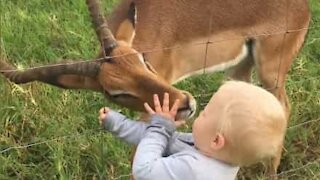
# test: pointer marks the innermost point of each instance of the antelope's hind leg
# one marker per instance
(242, 71)
(273, 57)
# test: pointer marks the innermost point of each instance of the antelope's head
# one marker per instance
(121, 73)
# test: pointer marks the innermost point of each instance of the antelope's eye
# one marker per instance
(120, 94)
(117, 96)
(148, 65)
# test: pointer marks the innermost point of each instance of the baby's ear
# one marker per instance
(218, 142)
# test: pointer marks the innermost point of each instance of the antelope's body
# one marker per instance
(154, 43)
(242, 34)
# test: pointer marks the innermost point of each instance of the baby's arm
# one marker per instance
(149, 162)
(122, 127)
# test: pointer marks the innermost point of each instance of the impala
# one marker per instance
(150, 44)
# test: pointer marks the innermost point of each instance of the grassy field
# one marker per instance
(64, 123)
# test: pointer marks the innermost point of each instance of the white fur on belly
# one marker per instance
(218, 67)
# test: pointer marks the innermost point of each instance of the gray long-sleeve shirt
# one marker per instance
(163, 153)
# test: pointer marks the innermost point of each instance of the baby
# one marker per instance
(241, 125)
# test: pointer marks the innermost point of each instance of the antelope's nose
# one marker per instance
(188, 106)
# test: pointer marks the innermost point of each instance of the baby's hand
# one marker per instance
(165, 110)
(103, 112)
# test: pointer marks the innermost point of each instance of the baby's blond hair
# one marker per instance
(253, 123)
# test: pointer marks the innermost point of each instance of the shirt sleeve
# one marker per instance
(124, 128)
(185, 137)
(149, 162)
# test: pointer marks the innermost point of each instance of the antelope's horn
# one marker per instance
(101, 26)
(45, 73)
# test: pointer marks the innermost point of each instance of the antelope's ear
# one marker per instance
(126, 30)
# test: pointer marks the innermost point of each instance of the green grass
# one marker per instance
(37, 32)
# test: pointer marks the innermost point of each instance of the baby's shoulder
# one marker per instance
(208, 167)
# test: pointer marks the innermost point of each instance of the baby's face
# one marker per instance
(205, 126)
